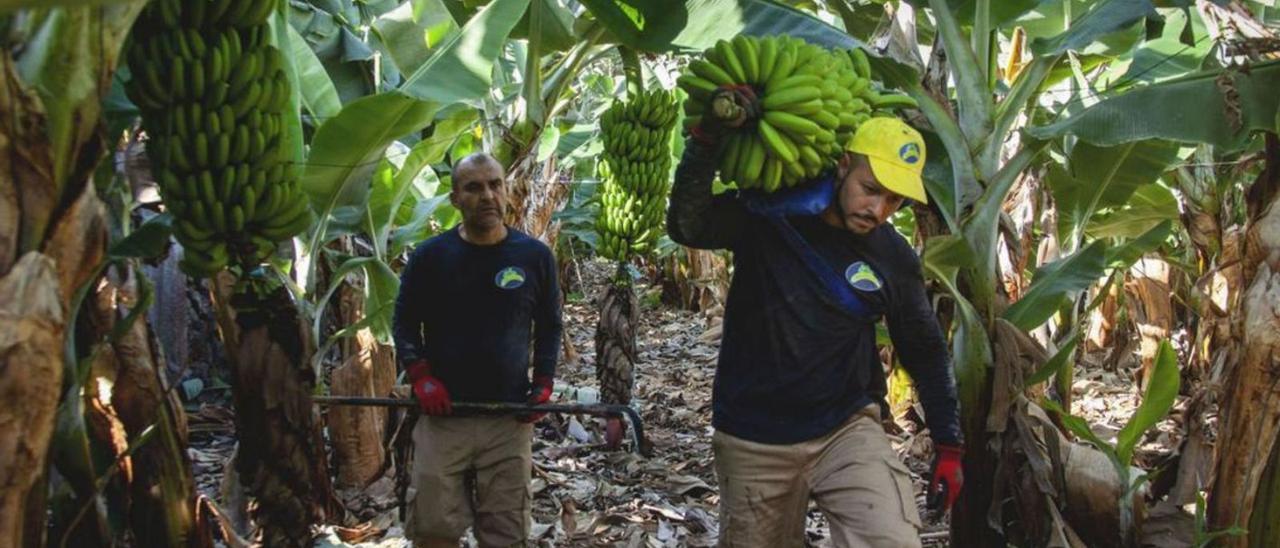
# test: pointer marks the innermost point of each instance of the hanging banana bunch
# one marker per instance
(812, 101)
(637, 161)
(213, 95)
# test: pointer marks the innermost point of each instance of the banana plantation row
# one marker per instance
(978, 200)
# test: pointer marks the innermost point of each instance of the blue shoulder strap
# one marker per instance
(808, 200)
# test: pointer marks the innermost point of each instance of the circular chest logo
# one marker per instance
(910, 153)
(862, 278)
(510, 277)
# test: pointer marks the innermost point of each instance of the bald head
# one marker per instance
(475, 162)
(479, 192)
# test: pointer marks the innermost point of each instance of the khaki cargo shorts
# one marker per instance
(852, 474)
(470, 471)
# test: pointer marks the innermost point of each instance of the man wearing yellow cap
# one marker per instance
(798, 386)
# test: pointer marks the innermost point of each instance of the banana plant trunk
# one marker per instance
(32, 330)
(368, 369)
(281, 459)
(536, 194)
(51, 89)
(140, 405)
(1250, 411)
(616, 339)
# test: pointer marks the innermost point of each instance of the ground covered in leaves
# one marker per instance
(585, 495)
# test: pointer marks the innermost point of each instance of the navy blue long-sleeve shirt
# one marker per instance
(793, 363)
(472, 310)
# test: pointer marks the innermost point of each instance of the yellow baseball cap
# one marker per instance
(896, 154)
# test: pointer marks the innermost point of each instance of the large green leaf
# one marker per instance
(1168, 56)
(945, 255)
(1149, 207)
(1190, 109)
(412, 31)
(665, 25)
(556, 29)
(392, 185)
(148, 241)
(418, 227)
(380, 287)
(318, 94)
(971, 87)
(1080, 428)
(1125, 255)
(1103, 19)
(970, 346)
(1162, 389)
(1099, 177)
(460, 69)
(291, 137)
(1003, 12)
(347, 148)
(1060, 359)
(1055, 284)
(13, 5)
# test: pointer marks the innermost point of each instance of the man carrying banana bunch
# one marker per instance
(798, 381)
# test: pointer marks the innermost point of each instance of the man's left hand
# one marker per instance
(539, 393)
(948, 477)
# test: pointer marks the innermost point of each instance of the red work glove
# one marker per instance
(539, 393)
(432, 396)
(730, 108)
(948, 477)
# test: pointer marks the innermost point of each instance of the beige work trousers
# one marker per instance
(470, 471)
(852, 474)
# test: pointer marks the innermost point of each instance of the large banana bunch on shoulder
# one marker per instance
(811, 99)
(634, 168)
(213, 96)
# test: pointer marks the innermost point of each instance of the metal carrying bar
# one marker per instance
(507, 408)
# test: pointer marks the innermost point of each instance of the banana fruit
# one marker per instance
(636, 161)
(812, 99)
(214, 95)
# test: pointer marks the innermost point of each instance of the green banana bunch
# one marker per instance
(812, 101)
(214, 95)
(636, 161)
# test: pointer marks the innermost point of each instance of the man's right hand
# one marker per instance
(730, 107)
(432, 396)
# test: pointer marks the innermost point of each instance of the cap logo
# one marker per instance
(510, 277)
(862, 278)
(910, 153)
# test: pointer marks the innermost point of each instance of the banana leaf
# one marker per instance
(1097, 30)
(460, 69)
(676, 25)
(556, 29)
(348, 147)
(399, 172)
(1096, 178)
(318, 94)
(381, 285)
(1003, 12)
(1125, 255)
(1060, 359)
(1056, 283)
(1169, 56)
(1149, 207)
(7, 6)
(411, 32)
(1190, 109)
(346, 150)
(1162, 389)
